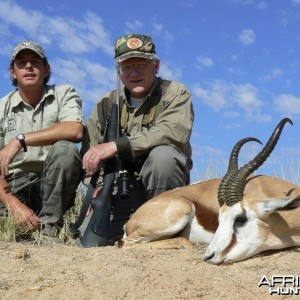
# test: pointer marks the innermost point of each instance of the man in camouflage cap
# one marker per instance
(156, 118)
(40, 165)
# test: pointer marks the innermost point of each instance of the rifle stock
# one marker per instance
(96, 233)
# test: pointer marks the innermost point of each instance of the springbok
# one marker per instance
(254, 214)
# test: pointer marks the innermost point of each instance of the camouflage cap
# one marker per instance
(134, 45)
(38, 49)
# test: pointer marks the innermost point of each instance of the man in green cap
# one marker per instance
(156, 118)
(40, 165)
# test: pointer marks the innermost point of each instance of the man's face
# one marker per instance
(138, 75)
(29, 69)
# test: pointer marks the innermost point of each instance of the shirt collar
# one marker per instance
(16, 98)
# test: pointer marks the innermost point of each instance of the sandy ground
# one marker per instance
(67, 272)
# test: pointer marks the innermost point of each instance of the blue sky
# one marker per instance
(238, 58)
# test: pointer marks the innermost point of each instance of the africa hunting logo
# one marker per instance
(281, 284)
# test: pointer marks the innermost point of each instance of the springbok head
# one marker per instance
(245, 223)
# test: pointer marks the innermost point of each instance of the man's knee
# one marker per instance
(65, 152)
(165, 168)
(164, 160)
(165, 165)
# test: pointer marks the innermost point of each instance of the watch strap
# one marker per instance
(21, 139)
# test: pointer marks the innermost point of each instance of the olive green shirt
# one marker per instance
(58, 104)
(172, 125)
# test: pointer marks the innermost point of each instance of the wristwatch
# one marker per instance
(21, 138)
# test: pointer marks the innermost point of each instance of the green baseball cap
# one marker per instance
(134, 45)
(35, 47)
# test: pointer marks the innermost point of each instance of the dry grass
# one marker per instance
(11, 231)
(71, 215)
(209, 169)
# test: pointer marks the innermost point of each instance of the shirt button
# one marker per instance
(33, 121)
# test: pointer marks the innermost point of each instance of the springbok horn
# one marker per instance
(236, 184)
(232, 168)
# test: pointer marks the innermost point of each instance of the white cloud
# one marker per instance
(235, 71)
(169, 71)
(241, 2)
(273, 74)
(245, 96)
(215, 97)
(204, 61)
(71, 35)
(247, 37)
(134, 26)
(234, 57)
(262, 5)
(14, 14)
(295, 64)
(231, 99)
(91, 79)
(288, 105)
(208, 150)
(259, 5)
(162, 32)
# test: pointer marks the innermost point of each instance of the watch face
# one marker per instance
(21, 136)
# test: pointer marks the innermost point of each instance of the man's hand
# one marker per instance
(7, 154)
(24, 215)
(97, 153)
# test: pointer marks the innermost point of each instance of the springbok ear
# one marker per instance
(278, 204)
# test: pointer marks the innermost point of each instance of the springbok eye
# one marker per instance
(239, 221)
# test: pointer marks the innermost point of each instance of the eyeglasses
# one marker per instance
(140, 67)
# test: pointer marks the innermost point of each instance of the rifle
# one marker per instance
(96, 233)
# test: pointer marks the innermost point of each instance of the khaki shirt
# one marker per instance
(58, 104)
(173, 124)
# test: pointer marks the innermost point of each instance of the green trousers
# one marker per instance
(51, 192)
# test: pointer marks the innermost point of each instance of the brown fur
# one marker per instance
(159, 214)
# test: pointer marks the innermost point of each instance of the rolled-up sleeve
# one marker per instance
(70, 106)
